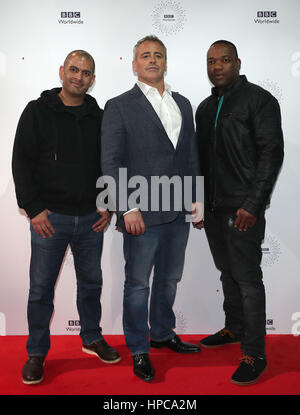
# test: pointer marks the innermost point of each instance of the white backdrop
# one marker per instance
(36, 36)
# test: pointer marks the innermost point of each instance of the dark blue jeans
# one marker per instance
(162, 246)
(237, 254)
(46, 259)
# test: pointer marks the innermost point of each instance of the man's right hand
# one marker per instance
(42, 225)
(134, 223)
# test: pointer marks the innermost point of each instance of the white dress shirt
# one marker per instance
(166, 109)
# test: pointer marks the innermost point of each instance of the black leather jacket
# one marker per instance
(242, 155)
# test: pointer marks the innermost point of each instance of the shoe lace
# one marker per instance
(225, 332)
(249, 360)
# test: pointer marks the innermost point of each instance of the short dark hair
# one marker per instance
(82, 54)
(226, 42)
(149, 38)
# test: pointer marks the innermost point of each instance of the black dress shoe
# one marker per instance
(32, 372)
(142, 367)
(177, 345)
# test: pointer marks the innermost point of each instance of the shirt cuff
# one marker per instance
(131, 210)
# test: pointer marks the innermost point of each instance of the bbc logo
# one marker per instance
(70, 15)
(266, 14)
(74, 322)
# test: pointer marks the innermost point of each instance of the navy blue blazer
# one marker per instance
(134, 138)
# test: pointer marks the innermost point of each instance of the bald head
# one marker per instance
(81, 54)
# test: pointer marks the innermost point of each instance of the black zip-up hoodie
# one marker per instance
(56, 156)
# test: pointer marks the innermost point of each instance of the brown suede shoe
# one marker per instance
(32, 372)
(103, 350)
(219, 339)
(249, 370)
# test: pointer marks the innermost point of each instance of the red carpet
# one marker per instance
(69, 371)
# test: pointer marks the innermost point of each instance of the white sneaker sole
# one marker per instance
(88, 351)
(33, 382)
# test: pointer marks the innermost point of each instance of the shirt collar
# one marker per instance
(145, 88)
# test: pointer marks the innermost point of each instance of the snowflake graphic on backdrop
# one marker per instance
(271, 251)
(69, 259)
(168, 17)
(272, 87)
(3, 63)
(181, 323)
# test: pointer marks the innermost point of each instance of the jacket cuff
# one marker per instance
(34, 208)
(251, 207)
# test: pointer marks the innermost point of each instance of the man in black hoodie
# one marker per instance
(56, 163)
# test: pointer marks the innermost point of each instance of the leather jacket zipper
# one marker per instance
(214, 203)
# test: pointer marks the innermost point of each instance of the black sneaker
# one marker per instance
(32, 372)
(103, 350)
(249, 370)
(219, 339)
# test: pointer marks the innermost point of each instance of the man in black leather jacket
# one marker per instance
(241, 151)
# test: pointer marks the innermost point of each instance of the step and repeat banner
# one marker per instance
(36, 36)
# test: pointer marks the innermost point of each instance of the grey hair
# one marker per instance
(149, 38)
(82, 54)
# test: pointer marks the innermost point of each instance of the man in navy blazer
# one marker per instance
(149, 133)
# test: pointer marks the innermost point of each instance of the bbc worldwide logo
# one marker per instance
(267, 14)
(73, 326)
(270, 325)
(266, 17)
(72, 18)
(73, 323)
(70, 15)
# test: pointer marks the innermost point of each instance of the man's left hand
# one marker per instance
(198, 225)
(244, 220)
(197, 215)
(103, 222)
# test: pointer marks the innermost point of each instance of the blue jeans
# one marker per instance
(46, 259)
(237, 254)
(162, 246)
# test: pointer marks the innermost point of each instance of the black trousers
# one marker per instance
(237, 254)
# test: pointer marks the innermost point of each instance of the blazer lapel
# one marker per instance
(180, 106)
(149, 110)
(145, 104)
